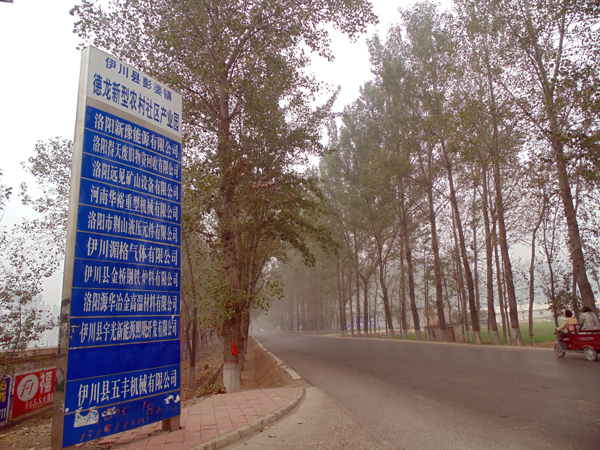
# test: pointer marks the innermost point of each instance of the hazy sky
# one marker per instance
(39, 73)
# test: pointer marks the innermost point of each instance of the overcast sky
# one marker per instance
(39, 73)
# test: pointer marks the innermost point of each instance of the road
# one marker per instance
(421, 395)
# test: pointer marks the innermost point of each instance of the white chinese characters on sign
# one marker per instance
(123, 87)
(126, 387)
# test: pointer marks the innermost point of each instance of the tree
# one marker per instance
(358, 170)
(240, 67)
(418, 73)
(554, 52)
(24, 316)
(23, 268)
(562, 299)
(51, 167)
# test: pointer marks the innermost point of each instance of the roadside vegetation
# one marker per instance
(463, 181)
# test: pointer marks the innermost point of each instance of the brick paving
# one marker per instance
(218, 420)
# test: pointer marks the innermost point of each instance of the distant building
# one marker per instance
(541, 313)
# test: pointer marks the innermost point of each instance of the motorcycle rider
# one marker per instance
(569, 320)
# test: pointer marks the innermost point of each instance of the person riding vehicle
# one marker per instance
(569, 320)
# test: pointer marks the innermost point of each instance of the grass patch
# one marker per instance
(542, 332)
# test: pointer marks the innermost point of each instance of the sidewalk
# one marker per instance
(214, 422)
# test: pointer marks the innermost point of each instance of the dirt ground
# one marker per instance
(260, 371)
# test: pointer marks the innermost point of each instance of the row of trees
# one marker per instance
(478, 134)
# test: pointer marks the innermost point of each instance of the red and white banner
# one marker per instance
(33, 391)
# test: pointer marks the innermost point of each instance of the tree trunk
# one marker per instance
(367, 319)
(192, 355)
(427, 174)
(340, 303)
(403, 293)
(463, 297)
(227, 216)
(503, 243)
(463, 249)
(461, 284)
(510, 338)
(350, 303)
(505, 323)
(556, 137)
(385, 297)
(476, 258)
(381, 263)
(366, 304)
(193, 315)
(245, 331)
(549, 256)
(493, 325)
(232, 369)
(428, 333)
(409, 266)
(375, 323)
(531, 273)
(459, 302)
(447, 295)
(357, 286)
(437, 267)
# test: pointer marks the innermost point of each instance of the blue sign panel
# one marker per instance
(94, 423)
(123, 368)
(4, 399)
(114, 302)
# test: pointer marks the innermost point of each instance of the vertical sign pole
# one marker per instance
(119, 341)
(65, 306)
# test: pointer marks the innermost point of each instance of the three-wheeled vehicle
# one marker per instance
(576, 340)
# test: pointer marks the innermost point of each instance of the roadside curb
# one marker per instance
(257, 425)
(279, 362)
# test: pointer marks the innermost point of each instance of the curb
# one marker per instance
(280, 363)
(257, 425)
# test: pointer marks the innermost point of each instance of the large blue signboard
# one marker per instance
(119, 361)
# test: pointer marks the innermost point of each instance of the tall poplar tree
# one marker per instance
(223, 56)
(552, 53)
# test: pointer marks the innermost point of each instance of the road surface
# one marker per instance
(420, 395)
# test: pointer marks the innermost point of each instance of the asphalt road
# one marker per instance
(420, 395)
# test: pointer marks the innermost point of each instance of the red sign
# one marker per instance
(33, 391)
